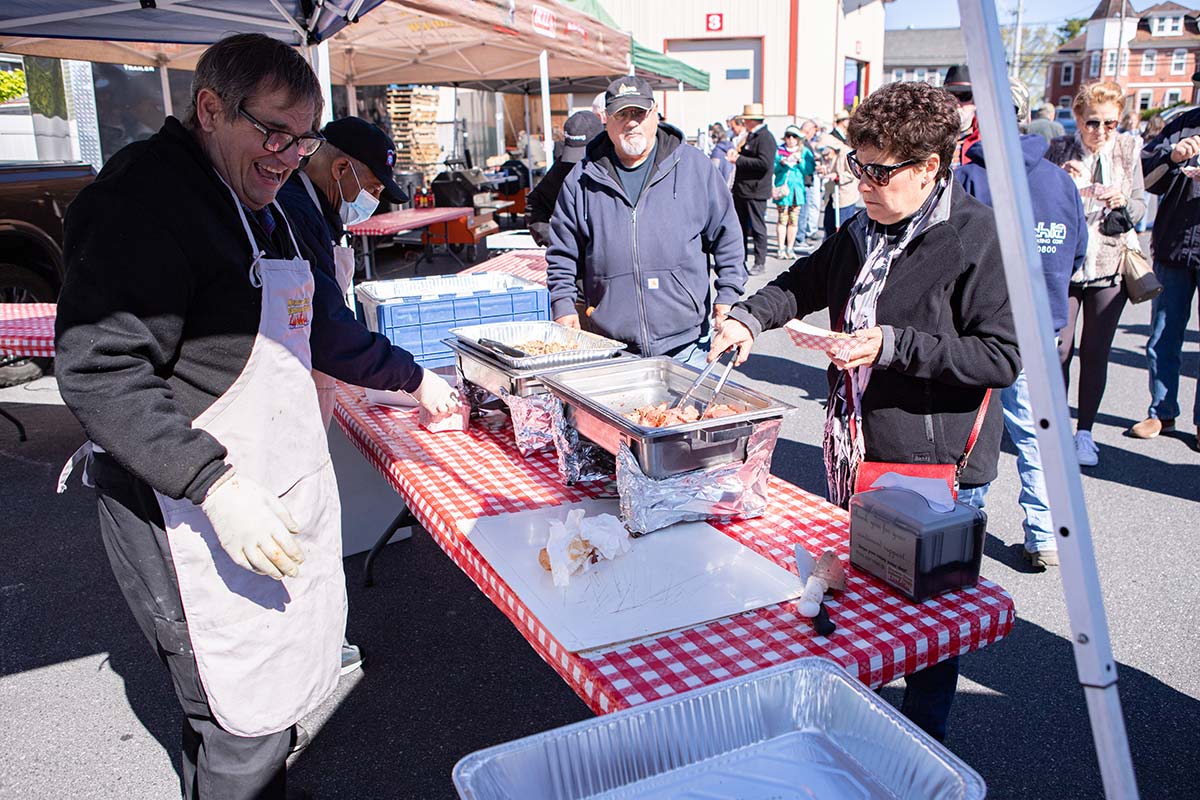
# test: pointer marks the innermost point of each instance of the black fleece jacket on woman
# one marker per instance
(948, 333)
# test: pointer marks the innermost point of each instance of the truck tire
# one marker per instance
(20, 284)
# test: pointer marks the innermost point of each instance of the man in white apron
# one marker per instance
(340, 185)
(183, 350)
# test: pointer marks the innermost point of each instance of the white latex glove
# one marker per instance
(435, 395)
(254, 528)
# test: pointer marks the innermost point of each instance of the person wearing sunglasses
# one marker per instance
(183, 343)
(1107, 168)
(958, 84)
(918, 283)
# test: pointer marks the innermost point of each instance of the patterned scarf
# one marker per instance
(844, 448)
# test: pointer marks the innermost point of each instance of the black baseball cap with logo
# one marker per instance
(363, 141)
(579, 129)
(628, 91)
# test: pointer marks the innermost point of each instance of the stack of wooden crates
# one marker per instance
(413, 111)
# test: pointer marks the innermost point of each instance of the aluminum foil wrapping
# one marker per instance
(532, 420)
(477, 396)
(727, 491)
(578, 459)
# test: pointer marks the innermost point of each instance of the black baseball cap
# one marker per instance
(361, 140)
(628, 91)
(580, 128)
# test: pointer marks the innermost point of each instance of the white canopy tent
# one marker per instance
(1031, 312)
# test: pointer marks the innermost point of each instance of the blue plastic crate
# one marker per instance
(417, 313)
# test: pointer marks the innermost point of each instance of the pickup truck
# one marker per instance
(33, 199)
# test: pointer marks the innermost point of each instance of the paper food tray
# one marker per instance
(805, 729)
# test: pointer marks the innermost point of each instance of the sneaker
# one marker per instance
(758, 269)
(1040, 559)
(1086, 450)
(352, 658)
(1151, 427)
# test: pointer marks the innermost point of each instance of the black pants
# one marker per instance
(216, 763)
(1101, 309)
(752, 214)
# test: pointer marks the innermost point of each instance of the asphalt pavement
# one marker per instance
(87, 712)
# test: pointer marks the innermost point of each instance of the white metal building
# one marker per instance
(800, 58)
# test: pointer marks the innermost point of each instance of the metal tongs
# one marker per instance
(704, 373)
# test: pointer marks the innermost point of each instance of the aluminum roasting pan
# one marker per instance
(596, 397)
(483, 368)
(806, 729)
(591, 347)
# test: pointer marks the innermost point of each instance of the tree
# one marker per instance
(12, 85)
(1070, 28)
(1038, 44)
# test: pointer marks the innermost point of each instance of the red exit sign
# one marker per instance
(714, 22)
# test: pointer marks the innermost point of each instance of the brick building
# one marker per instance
(1151, 53)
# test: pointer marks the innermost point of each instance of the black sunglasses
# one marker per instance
(878, 174)
(277, 141)
(1094, 124)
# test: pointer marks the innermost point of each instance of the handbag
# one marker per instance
(1116, 222)
(871, 471)
(1137, 276)
(780, 192)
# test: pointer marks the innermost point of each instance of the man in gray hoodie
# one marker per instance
(638, 219)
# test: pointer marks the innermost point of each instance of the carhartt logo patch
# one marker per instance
(652, 283)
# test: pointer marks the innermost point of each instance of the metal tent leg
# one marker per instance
(402, 520)
(20, 428)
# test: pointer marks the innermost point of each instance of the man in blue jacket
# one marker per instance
(637, 219)
(1171, 164)
(1062, 241)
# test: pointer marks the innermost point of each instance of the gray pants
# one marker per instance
(216, 763)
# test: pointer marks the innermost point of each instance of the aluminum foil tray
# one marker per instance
(806, 729)
(591, 346)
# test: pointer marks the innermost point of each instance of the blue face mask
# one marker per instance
(361, 207)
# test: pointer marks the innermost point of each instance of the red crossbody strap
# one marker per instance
(979, 418)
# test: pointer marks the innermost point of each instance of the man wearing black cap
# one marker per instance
(958, 83)
(581, 128)
(637, 220)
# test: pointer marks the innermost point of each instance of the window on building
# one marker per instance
(1179, 62)
(1159, 25)
(897, 75)
(737, 74)
(1148, 62)
(1124, 61)
(1110, 62)
(1068, 73)
(1176, 25)
(1145, 98)
(1171, 98)
(937, 77)
(922, 74)
(1094, 67)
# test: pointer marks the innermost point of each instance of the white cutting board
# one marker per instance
(674, 578)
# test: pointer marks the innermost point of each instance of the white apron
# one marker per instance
(343, 264)
(268, 651)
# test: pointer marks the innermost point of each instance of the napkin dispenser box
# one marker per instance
(896, 536)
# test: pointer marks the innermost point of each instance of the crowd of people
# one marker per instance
(189, 330)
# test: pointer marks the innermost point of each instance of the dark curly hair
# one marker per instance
(909, 119)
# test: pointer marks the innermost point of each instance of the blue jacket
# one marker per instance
(342, 347)
(1176, 236)
(645, 268)
(1060, 225)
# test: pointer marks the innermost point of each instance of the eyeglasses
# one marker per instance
(1094, 124)
(878, 174)
(278, 141)
(632, 113)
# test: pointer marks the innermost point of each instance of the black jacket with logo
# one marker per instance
(948, 333)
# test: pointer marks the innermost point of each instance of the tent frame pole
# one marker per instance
(1031, 313)
(547, 136)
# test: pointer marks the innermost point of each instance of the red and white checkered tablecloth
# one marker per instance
(407, 219)
(27, 329)
(450, 478)
(529, 264)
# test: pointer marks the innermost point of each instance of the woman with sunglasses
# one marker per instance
(794, 163)
(918, 283)
(1107, 167)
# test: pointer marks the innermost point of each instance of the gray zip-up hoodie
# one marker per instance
(645, 267)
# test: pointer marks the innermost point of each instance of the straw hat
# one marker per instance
(753, 111)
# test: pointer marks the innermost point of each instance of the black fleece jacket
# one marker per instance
(157, 314)
(948, 334)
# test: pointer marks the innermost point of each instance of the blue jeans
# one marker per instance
(809, 212)
(1168, 323)
(1018, 422)
(695, 354)
(929, 694)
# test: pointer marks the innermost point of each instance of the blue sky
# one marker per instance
(944, 13)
